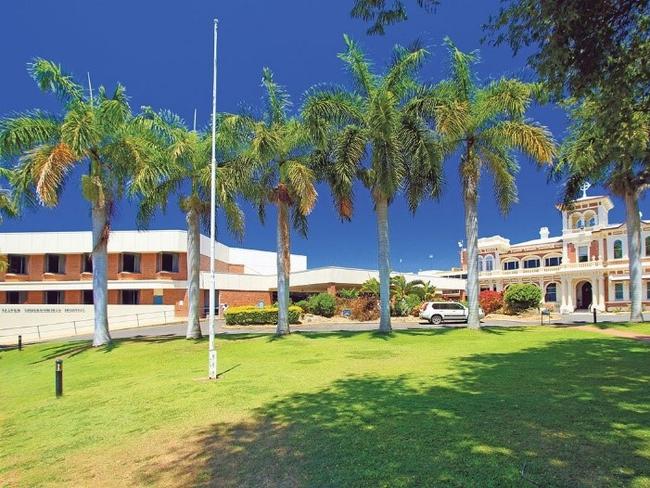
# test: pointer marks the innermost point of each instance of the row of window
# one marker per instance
(56, 263)
(533, 263)
(57, 297)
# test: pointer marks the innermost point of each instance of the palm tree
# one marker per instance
(375, 137)
(484, 125)
(188, 153)
(428, 291)
(7, 208)
(370, 287)
(282, 149)
(400, 288)
(98, 133)
(617, 158)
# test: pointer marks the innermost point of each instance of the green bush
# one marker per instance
(322, 304)
(349, 293)
(405, 306)
(520, 297)
(259, 316)
(304, 304)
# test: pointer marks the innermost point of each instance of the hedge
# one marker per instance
(251, 315)
(521, 296)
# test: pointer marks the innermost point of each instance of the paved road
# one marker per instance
(179, 328)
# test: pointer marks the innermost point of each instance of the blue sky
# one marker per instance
(161, 50)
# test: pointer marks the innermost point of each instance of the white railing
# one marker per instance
(541, 269)
(33, 333)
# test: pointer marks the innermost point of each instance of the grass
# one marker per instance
(519, 407)
(639, 327)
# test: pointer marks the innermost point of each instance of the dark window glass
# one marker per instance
(87, 297)
(554, 261)
(618, 249)
(130, 297)
(131, 263)
(531, 263)
(511, 265)
(169, 262)
(551, 293)
(618, 291)
(87, 263)
(583, 254)
(55, 263)
(16, 297)
(17, 264)
(53, 297)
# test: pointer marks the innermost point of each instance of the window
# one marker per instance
(554, 261)
(87, 297)
(511, 265)
(17, 264)
(583, 254)
(647, 246)
(130, 297)
(55, 263)
(531, 263)
(590, 219)
(130, 263)
(480, 263)
(618, 291)
(647, 290)
(16, 297)
(158, 297)
(551, 293)
(618, 249)
(489, 263)
(168, 261)
(86, 263)
(53, 297)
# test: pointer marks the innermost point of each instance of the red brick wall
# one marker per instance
(236, 298)
(571, 252)
(593, 250)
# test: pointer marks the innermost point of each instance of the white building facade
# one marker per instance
(586, 267)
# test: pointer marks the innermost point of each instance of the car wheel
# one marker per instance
(436, 320)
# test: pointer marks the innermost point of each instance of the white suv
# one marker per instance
(438, 312)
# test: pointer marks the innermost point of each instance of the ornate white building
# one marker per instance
(584, 268)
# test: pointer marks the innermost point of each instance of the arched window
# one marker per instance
(647, 246)
(511, 265)
(618, 249)
(489, 263)
(480, 264)
(576, 221)
(590, 219)
(551, 293)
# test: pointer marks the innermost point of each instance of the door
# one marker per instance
(586, 295)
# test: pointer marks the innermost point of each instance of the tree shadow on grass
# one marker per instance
(74, 348)
(571, 413)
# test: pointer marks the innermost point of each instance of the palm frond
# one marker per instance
(358, 66)
(22, 132)
(533, 140)
(463, 79)
(301, 182)
(79, 130)
(277, 99)
(48, 165)
(50, 78)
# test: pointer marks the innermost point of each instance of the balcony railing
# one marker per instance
(542, 269)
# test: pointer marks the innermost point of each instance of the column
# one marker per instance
(563, 296)
(601, 293)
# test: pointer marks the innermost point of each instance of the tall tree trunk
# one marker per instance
(470, 191)
(193, 272)
(284, 268)
(381, 208)
(633, 223)
(100, 280)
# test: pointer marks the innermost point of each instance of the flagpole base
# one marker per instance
(212, 364)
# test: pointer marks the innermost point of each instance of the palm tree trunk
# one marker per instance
(470, 191)
(283, 260)
(193, 272)
(381, 208)
(100, 280)
(633, 223)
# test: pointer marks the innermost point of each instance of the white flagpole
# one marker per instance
(212, 352)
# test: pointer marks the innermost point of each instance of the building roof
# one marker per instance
(538, 242)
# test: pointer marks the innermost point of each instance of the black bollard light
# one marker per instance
(58, 377)
(20, 343)
(595, 317)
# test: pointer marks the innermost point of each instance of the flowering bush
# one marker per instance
(490, 301)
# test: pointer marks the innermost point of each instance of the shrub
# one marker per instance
(304, 304)
(348, 293)
(490, 301)
(364, 308)
(259, 316)
(519, 297)
(322, 304)
(405, 306)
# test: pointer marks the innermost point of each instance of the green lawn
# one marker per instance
(418, 408)
(641, 328)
